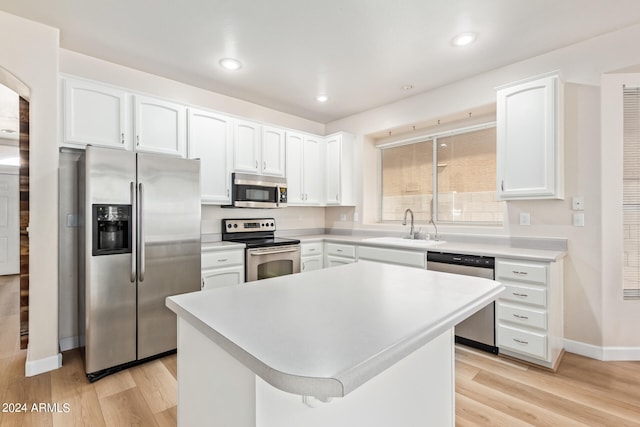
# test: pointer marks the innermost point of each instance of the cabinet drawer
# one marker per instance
(393, 256)
(528, 272)
(341, 250)
(521, 341)
(310, 249)
(524, 294)
(522, 316)
(215, 259)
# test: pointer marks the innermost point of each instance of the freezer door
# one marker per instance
(169, 247)
(107, 293)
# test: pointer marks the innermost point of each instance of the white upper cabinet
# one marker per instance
(258, 149)
(313, 172)
(160, 126)
(295, 185)
(273, 151)
(246, 147)
(210, 140)
(339, 169)
(98, 114)
(95, 114)
(529, 139)
(304, 169)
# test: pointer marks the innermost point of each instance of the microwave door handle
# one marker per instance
(141, 230)
(134, 214)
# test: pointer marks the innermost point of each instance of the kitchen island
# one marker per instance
(361, 344)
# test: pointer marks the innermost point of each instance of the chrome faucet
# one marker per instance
(404, 222)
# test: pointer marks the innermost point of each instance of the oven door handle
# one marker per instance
(269, 252)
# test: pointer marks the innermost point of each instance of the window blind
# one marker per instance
(631, 192)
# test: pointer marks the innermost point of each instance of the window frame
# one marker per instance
(433, 137)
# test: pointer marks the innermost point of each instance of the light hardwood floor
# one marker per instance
(490, 391)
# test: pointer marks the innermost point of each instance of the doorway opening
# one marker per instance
(14, 205)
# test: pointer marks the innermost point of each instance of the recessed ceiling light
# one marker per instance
(463, 39)
(322, 98)
(230, 64)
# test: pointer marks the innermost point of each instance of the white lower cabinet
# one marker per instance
(393, 256)
(221, 266)
(311, 257)
(339, 254)
(529, 315)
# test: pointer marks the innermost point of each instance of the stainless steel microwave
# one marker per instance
(258, 191)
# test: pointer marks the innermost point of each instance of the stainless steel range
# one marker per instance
(265, 255)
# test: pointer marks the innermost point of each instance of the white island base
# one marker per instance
(214, 389)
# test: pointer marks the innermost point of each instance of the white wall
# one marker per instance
(594, 314)
(30, 52)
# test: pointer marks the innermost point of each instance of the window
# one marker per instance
(631, 192)
(451, 176)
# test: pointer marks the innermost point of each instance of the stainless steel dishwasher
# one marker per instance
(479, 330)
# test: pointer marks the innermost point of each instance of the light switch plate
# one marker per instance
(578, 219)
(577, 203)
(525, 218)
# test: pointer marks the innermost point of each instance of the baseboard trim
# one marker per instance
(69, 343)
(602, 353)
(40, 366)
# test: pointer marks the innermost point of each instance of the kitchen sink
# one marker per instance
(401, 241)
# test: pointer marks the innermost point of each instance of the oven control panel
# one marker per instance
(248, 225)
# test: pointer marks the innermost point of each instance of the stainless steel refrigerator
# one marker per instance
(139, 243)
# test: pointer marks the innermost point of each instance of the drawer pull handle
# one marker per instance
(223, 260)
(312, 250)
(521, 341)
(520, 295)
(519, 273)
(517, 316)
(338, 250)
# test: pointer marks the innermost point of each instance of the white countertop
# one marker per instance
(487, 249)
(324, 333)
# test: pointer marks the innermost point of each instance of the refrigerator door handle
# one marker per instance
(133, 272)
(141, 231)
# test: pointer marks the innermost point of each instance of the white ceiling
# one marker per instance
(359, 52)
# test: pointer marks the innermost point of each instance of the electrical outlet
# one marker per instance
(355, 217)
(525, 218)
(343, 217)
(578, 219)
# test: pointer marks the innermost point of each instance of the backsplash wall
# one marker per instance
(287, 219)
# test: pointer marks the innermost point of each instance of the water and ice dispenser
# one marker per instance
(111, 229)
